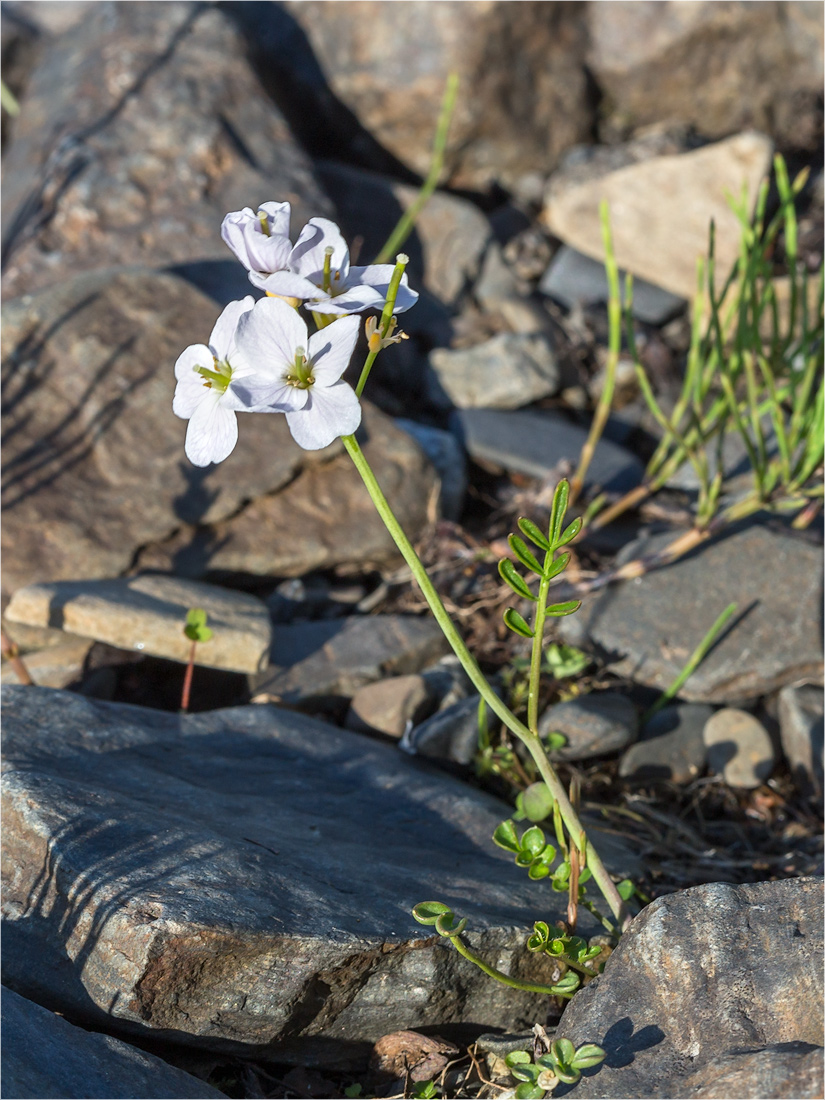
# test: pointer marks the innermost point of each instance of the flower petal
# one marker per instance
(212, 432)
(331, 348)
(330, 412)
(378, 276)
(354, 300)
(307, 257)
(285, 283)
(267, 338)
(277, 216)
(260, 394)
(222, 339)
(243, 232)
(189, 391)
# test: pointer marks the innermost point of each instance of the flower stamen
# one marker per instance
(217, 379)
(301, 376)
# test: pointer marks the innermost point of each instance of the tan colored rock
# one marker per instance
(55, 667)
(661, 209)
(388, 705)
(523, 95)
(148, 613)
(719, 67)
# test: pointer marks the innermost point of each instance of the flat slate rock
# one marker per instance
(647, 628)
(534, 442)
(243, 879)
(148, 613)
(46, 1056)
(336, 657)
(711, 990)
(507, 371)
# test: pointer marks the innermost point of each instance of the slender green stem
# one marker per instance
(477, 678)
(514, 983)
(535, 656)
(385, 324)
(693, 662)
(408, 219)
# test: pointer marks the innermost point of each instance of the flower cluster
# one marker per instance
(260, 356)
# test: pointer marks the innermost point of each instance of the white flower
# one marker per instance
(286, 372)
(316, 271)
(204, 394)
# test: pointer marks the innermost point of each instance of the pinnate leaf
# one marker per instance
(525, 556)
(516, 623)
(512, 577)
(533, 533)
(566, 608)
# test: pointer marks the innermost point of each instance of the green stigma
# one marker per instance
(217, 379)
(300, 376)
(264, 220)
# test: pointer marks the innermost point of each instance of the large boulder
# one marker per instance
(141, 126)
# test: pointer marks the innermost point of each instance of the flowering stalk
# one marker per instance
(382, 333)
(531, 740)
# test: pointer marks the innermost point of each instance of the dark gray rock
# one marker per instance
(649, 627)
(389, 705)
(311, 660)
(739, 748)
(704, 989)
(507, 371)
(243, 879)
(670, 746)
(594, 725)
(46, 1056)
(451, 734)
(142, 125)
(534, 443)
(575, 279)
(800, 722)
(447, 456)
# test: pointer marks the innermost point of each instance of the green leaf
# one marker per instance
(353, 1091)
(538, 870)
(428, 912)
(588, 1055)
(563, 1051)
(196, 629)
(528, 1092)
(566, 608)
(424, 1090)
(554, 741)
(446, 925)
(512, 577)
(565, 660)
(558, 509)
(506, 836)
(516, 623)
(568, 984)
(517, 1058)
(570, 532)
(537, 802)
(558, 566)
(626, 889)
(533, 841)
(525, 556)
(568, 1076)
(528, 528)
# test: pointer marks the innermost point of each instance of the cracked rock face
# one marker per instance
(244, 879)
(715, 991)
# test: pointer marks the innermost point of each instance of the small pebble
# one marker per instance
(452, 734)
(800, 720)
(739, 748)
(671, 745)
(387, 706)
(593, 725)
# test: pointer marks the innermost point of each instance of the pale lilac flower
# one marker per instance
(261, 242)
(204, 394)
(298, 376)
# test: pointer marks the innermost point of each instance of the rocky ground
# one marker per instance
(218, 903)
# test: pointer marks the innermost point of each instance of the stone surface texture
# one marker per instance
(323, 518)
(717, 67)
(534, 442)
(44, 1055)
(388, 705)
(93, 462)
(148, 613)
(56, 666)
(649, 627)
(661, 209)
(505, 372)
(705, 991)
(497, 133)
(739, 748)
(451, 734)
(315, 659)
(447, 456)
(800, 727)
(143, 125)
(670, 746)
(594, 724)
(243, 879)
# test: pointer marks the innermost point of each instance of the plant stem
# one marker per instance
(477, 678)
(535, 656)
(12, 654)
(514, 983)
(408, 219)
(187, 680)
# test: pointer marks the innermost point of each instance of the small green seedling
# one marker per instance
(562, 1063)
(196, 631)
(424, 1090)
